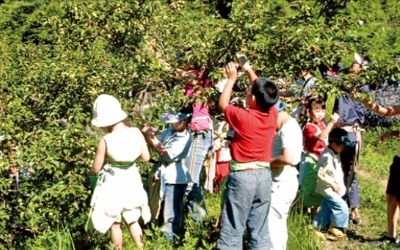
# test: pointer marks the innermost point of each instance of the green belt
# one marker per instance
(121, 164)
(98, 178)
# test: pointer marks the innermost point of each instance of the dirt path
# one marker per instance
(364, 174)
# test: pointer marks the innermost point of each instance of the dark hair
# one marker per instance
(188, 109)
(316, 101)
(336, 135)
(266, 93)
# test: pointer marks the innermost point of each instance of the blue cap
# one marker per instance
(280, 106)
(169, 117)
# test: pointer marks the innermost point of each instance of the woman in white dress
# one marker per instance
(119, 192)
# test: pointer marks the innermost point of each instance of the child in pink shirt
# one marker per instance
(201, 137)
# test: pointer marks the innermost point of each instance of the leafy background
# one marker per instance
(58, 56)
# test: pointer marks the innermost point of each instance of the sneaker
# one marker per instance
(385, 240)
(336, 232)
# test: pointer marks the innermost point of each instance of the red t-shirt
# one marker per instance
(312, 144)
(254, 133)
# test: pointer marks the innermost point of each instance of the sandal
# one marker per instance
(336, 232)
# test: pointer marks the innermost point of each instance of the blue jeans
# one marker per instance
(352, 197)
(333, 211)
(173, 209)
(201, 145)
(247, 202)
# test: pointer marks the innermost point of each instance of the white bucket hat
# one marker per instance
(107, 111)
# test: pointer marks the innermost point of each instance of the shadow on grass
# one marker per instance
(352, 234)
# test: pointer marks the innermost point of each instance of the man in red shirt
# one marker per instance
(248, 187)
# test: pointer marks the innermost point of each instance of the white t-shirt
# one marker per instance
(289, 137)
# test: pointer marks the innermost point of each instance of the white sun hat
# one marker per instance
(107, 111)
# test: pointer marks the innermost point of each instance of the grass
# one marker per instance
(60, 239)
(300, 230)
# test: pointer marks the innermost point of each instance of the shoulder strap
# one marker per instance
(304, 85)
(105, 153)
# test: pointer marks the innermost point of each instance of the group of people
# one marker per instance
(271, 155)
(119, 192)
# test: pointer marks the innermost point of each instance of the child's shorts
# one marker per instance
(393, 187)
(130, 216)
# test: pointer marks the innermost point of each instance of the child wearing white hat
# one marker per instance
(119, 192)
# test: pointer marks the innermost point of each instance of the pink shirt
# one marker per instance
(201, 119)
